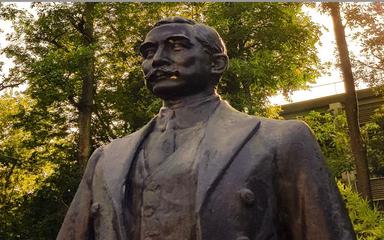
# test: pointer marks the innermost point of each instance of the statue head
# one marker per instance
(182, 58)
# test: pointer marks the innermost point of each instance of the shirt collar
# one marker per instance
(187, 112)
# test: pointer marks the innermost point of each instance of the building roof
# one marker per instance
(368, 102)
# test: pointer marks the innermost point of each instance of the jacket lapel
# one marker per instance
(226, 133)
(119, 157)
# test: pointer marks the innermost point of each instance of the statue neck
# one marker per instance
(190, 100)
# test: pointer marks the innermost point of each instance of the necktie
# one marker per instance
(163, 145)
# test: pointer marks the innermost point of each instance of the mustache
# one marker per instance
(163, 70)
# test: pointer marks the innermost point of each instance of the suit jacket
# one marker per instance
(258, 179)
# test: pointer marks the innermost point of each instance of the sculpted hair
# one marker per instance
(207, 36)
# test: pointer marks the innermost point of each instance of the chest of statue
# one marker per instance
(163, 193)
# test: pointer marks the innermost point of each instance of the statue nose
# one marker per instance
(160, 58)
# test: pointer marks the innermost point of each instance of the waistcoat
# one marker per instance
(163, 181)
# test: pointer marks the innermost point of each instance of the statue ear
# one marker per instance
(219, 63)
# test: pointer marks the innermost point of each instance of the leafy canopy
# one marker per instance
(271, 47)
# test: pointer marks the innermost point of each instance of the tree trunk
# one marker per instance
(351, 107)
(87, 71)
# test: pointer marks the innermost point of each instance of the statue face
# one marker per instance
(175, 64)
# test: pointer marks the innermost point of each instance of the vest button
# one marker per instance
(153, 186)
(95, 208)
(247, 196)
(148, 211)
(242, 238)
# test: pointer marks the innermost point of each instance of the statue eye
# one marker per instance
(176, 45)
(149, 52)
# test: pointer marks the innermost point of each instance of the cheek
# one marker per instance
(185, 60)
(194, 66)
(190, 61)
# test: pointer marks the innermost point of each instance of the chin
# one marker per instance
(171, 89)
(167, 89)
(166, 94)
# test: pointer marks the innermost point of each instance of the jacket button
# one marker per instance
(247, 196)
(95, 208)
(242, 238)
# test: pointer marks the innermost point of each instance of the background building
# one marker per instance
(368, 102)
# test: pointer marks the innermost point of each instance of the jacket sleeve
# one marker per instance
(77, 222)
(310, 204)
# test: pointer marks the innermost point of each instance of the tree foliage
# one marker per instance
(37, 168)
(368, 222)
(332, 135)
(331, 132)
(271, 46)
(366, 21)
(373, 134)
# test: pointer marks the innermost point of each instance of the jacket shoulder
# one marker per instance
(273, 130)
(283, 125)
(283, 129)
(126, 141)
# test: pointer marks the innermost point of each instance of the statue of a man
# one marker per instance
(200, 169)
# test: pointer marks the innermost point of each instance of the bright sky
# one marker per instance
(328, 84)
(6, 27)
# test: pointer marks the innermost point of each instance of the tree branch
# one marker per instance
(104, 124)
(369, 65)
(57, 44)
(9, 174)
(71, 99)
(11, 85)
(80, 27)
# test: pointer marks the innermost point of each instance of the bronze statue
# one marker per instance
(200, 169)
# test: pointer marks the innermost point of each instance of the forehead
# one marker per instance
(169, 30)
